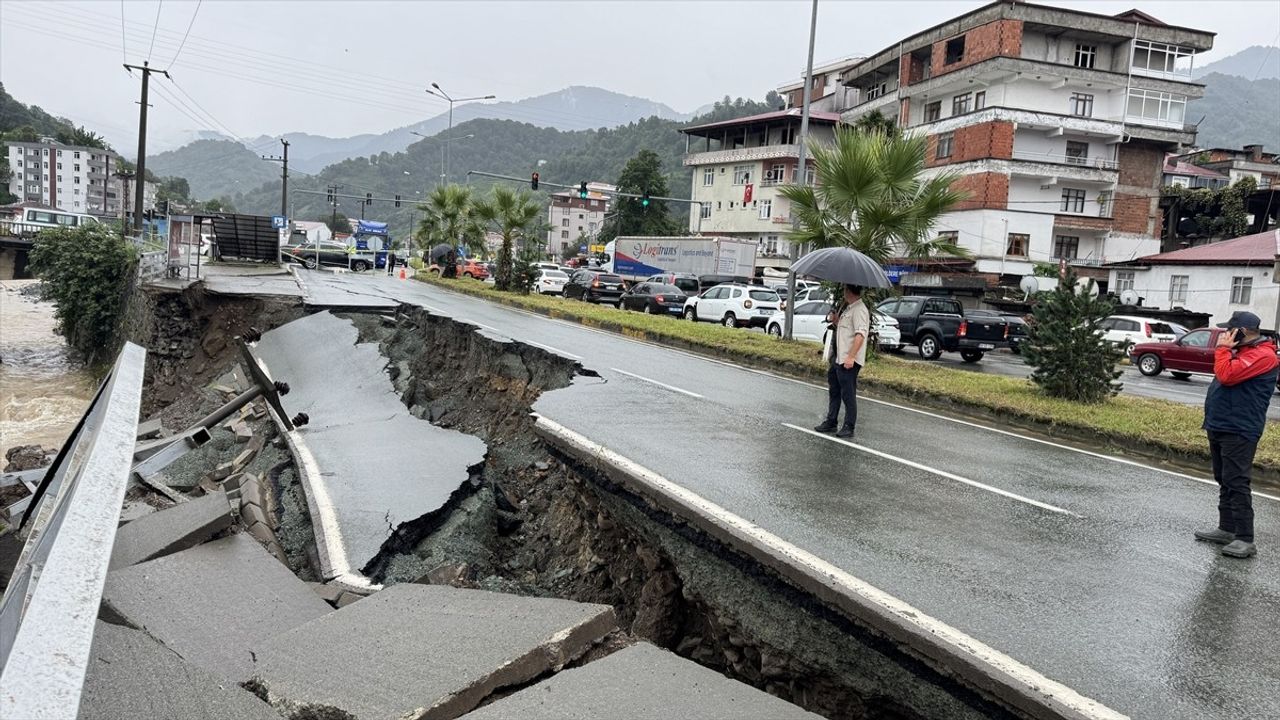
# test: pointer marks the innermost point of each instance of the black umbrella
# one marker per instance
(842, 265)
(441, 251)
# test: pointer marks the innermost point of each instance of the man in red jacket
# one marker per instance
(1245, 368)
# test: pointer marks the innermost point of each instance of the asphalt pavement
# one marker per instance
(1077, 564)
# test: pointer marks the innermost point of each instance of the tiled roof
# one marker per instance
(1173, 166)
(1259, 249)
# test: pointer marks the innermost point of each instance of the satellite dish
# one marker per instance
(1129, 297)
(1029, 285)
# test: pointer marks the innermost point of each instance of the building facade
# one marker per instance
(1249, 162)
(739, 166)
(1055, 122)
(1180, 173)
(67, 177)
(576, 221)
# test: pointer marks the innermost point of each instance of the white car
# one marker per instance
(551, 282)
(733, 305)
(810, 323)
(1124, 331)
(546, 266)
(809, 294)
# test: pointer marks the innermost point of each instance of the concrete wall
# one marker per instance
(1208, 289)
(1028, 143)
(984, 233)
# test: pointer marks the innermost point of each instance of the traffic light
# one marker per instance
(397, 201)
(644, 201)
(533, 182)
(328, 195)
(368, 198)
(582, 191)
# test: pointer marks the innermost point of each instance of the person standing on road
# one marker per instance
(1245, 369)
(849, 354)
(391, 262)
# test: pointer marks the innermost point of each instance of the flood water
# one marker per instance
(43, 390)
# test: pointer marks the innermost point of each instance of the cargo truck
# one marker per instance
(712, 259)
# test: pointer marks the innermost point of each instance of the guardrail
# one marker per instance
(1057, 159)
(11, 228)
(48, 612)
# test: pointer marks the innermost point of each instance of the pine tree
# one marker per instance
(1065, 344)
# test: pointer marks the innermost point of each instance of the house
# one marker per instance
(828, 94)
(1180, 173)
(1219, 278)
(1250, 162)
(576, 221)
(72, 178)
(313, 230)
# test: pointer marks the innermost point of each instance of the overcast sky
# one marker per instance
(253, 68)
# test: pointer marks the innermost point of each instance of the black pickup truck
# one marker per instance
(935, 324)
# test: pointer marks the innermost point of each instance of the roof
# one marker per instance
(793, 113)
(1174, 166)
(1259, 249)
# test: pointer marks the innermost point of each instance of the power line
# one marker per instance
(186, 34)
(124, 51)
(154, 28)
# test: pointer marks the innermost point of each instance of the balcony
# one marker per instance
(742, 154)
(1057, 159)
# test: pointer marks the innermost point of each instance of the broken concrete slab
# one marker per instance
(641, 682)
(242, 431)
(134, 509)
(328, 593)
(150, 429)
(422, 651)
(130, 675)
(182, 526)
(212, 603)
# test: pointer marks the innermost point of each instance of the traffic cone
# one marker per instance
(401, 273)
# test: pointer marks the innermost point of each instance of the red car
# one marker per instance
(472, 269)
(1191, 353)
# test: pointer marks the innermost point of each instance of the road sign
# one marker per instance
(278, 222)
(597, 248)
(582, 248)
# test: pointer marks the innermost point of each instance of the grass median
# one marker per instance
(1143, 426)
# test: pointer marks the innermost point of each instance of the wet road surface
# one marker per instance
(1079, 565)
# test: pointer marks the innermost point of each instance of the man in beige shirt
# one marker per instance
(849, 354)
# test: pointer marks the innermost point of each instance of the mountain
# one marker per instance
(1237, 112)
(215, 168)
(1258, 62)
(30, 122)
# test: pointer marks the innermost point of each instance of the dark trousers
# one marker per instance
(1232, 463)
(842, 386)
(391, 264)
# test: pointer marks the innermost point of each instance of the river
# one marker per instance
(43, 389)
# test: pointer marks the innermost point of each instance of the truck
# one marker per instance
(934, 324)
(372, 237)
(712, 259)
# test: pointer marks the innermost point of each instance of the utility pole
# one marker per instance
(284, 176)
(140, 189)
(440, 93)
(125, 176)
(801, 170)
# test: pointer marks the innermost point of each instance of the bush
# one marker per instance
(1066, 348)
(87, 272)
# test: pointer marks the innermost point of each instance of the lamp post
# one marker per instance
(440, 93)
(444, 143)
(802, 171)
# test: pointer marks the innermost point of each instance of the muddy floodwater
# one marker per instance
(43, 389)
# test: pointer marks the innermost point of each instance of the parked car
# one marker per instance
(812, 293)
(1179, 330)
(886, 331)
(550, 282)
(594, 286)
(808, 322)
(654, 298)
(1017, 326)
(546, 266)
(332, 254)
(938, 324)
(733, 305)
(473, 269)
(687, 282)
(1190, 354)
(1125, 331)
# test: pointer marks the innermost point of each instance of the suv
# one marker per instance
(733, 305)
(687, 282)
(1124, 331)
(332, 254)
(935, 324)
(594, 286)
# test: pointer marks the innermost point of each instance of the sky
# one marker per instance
(254, 68)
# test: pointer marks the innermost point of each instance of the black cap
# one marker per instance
(1242, 319)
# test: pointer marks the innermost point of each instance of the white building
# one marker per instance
(739, 166)
(67, 177)
(1219, 278)
(313, 230)
(574, 221)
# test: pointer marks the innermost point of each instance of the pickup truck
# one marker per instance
(1190, 354)
(937, 324)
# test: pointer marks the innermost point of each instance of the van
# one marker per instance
(56, 218)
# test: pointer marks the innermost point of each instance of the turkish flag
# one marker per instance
(746, 194)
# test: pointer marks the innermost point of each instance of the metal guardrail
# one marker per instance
(1062, 159)
(48, 612)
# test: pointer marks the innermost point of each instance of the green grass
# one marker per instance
(1140, 425)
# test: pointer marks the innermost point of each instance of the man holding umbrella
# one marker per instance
(852, 327)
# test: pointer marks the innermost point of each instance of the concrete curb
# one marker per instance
(944, 648)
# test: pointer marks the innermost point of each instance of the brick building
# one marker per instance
(1056, 122)
(1251, 162)
(574, 221)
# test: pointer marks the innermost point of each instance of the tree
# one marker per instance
(510, 213)
(1066, 347)
(875, 121)
(174, 190)
(869, 196)
(643, 173)
(449, 217)
(6, 174)
(1210, 213)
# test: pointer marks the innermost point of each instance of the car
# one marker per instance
(886, 331)
(654, 298)
(1017, 326)
(937, 324)
(473, 269)
(594, 286)
(1191, 354)
(546, 266)
(809, 322)
(1125, 331)
(686, 282)
(550, 282)
(1179, 330)
(332, 254)
(812, 293)
(733, 305)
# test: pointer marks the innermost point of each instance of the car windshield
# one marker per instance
(764, 295)
(688, 285)
(554, 274)
(609, 278)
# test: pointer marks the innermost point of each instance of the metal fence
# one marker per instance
(48, 612)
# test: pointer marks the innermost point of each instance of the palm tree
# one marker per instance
(510, 213)
(449, 216)
(870, 197)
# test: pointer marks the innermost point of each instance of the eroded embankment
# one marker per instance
(537, 523)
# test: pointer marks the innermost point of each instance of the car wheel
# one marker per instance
(309, 264)
(971, 356)
(1127, 349)
(775, 330)
(929, 347)
(1150, 365)
(729, 320)
(1181, 375)
(468, 275)
(1016, 349)
(691, 314)
(359, 266)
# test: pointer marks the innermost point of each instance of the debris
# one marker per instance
(150, 430)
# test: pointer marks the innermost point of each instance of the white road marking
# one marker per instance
(503, 333)
(672, 388)
(935, 471)
(794, 560)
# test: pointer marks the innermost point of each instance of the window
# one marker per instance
(1158, 59)
(945, 141)
(960, 103)
(777, 174)
(77, 179)
(564, 222)
(1072, 200)
(933, 111)
(1082, 104)
(741, 174)
(581, 216)
(59, 178)
(766, 209)
(1066, 247)
(955, 50)
(77, 165)
(59, 153)
(770, 244)
(951, 236)
(808, 175)
(708, 177)
(564, 233)
(1241, 290)
(1085, 55)
(77, 154)
(1077, 152)
(1196, 338)
(591, 228)
(706, 211)
(1178, 288)
(1154, 106)
(980, 100)
(59, 164)
(1018, 243)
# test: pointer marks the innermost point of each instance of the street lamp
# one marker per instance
(444, 144)
(440, 93)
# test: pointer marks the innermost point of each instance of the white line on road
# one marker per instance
(935, 471)
(548, 348)
(672, 388)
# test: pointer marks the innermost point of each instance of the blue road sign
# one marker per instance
(278, 222)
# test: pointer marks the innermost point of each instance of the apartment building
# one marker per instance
(1055, 121)
(1249, 162)
(828, 94)
(67, 177)
(738, 167)
(576, 221)
(1180, 173)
